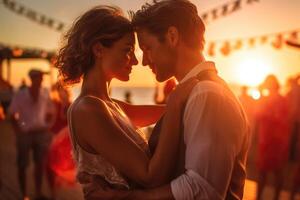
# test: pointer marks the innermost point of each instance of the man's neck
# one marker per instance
(186, 62)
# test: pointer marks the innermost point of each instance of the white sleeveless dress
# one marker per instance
(95, 164)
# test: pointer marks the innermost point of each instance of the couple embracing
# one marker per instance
(199, 145)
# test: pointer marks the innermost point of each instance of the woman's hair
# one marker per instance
(104, 24)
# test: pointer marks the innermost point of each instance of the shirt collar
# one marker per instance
(197, 69)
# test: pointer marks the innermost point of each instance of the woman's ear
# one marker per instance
(172, 36)
(98, 50)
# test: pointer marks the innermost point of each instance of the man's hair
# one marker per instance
(182, 14)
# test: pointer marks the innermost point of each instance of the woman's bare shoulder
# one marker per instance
(90, 105)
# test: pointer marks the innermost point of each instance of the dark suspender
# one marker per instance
(209, 74)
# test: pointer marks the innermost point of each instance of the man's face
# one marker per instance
(159, 56)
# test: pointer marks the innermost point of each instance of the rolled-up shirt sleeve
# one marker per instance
(212, 124)
(190, 184)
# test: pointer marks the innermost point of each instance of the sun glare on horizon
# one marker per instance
(251, 71)
(255, 94)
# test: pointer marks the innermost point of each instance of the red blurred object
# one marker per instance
(297, 175)
(2, 116)
(60, 158)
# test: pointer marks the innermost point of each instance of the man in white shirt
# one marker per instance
(216, 132)
(32, 113)
(215, 128)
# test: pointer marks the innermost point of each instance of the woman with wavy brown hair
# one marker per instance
(105, 138)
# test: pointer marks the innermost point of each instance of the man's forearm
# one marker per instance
(159, 193)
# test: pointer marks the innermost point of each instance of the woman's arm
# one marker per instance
(96, 128)
(142, 115)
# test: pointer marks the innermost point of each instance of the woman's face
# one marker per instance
(117, 60)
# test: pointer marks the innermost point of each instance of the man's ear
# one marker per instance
(172, 36)
(98, 50)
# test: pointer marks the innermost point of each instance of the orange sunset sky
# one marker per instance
(249, 65)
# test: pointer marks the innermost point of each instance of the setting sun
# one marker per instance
(252, 70)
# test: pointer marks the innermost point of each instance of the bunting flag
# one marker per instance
(8, 52)
(293, 44)
(57, 25)
(225, 9)
(215, 13)
(293, 40)
(276, 40)
(33, 15)
(225, 47)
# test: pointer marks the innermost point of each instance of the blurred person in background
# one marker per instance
(293, 97)
(60, 148)
(6, 94)
(127, 97)
(273, 135)
(248, 103)
(23, 84)
(32, 114)
(294, 103)
(61, 101)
